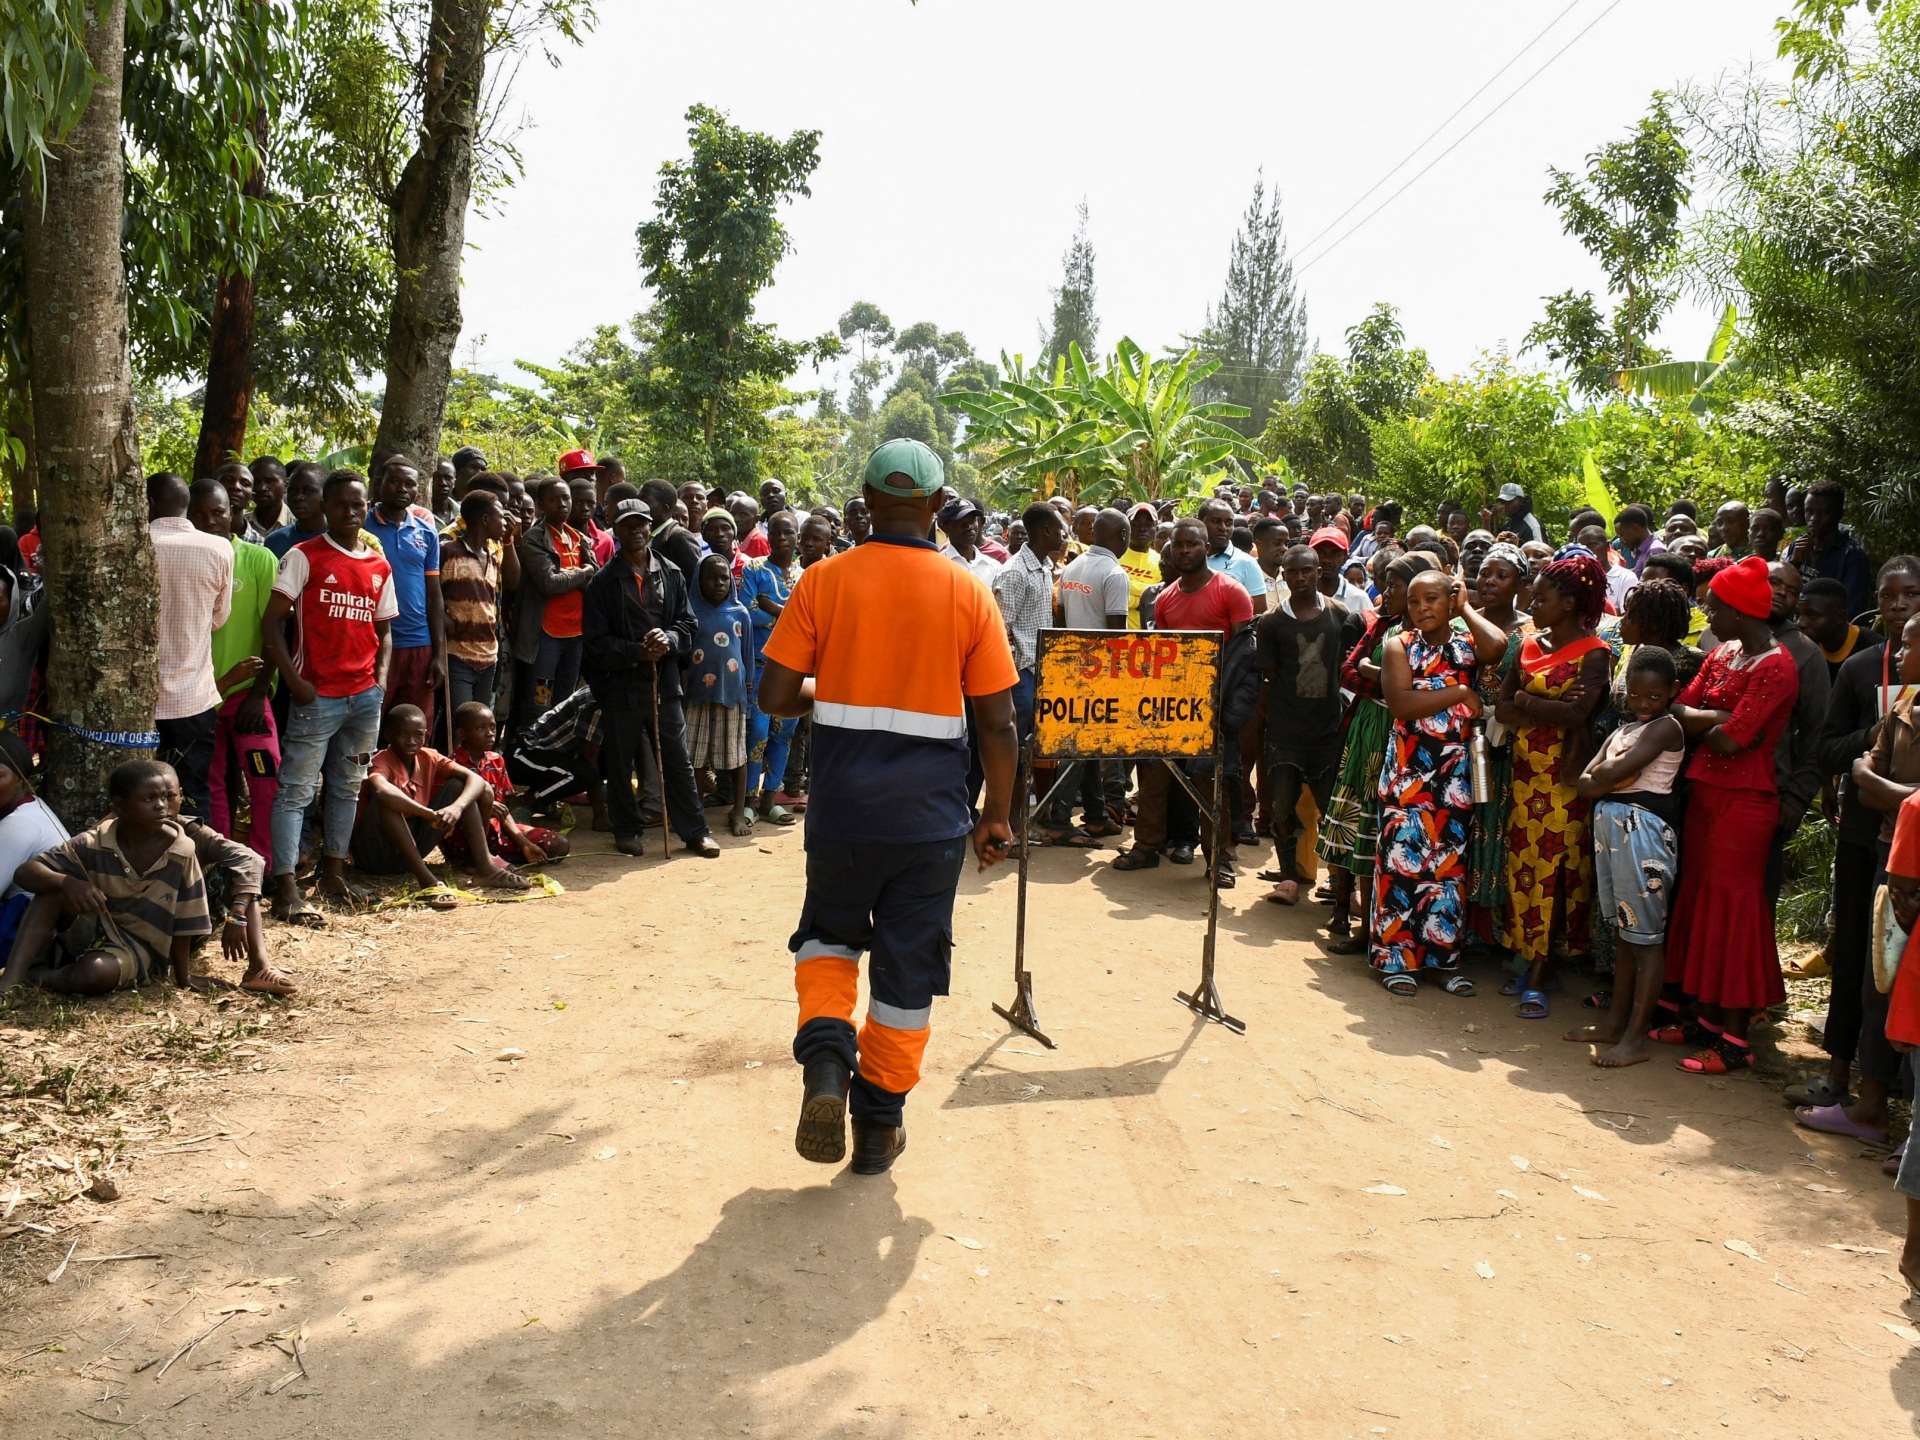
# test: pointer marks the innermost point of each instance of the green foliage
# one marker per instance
(1326, 435)
(589, 394)
(1134, 428)
(1660, 449)
(712, 245)
(170, 431)
(1074, 320)
(1257, 334)
(867, 325)
(1816, 233)
(1626, 213)
(1479, 431)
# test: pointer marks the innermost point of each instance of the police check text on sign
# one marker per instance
(1133, 693)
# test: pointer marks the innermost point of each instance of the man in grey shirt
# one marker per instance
(1094, 592)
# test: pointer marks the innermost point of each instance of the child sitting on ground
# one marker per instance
(720, 682)
(116, 903)
(233, 875)
(475, 727)
(1635, 854)
(413, 800)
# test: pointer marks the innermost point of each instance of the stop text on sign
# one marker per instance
(1124, 693)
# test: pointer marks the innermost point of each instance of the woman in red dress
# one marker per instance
(1720, 948)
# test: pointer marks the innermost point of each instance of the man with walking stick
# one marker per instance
(637, 629)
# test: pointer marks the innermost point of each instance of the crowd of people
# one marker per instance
(1500, 750)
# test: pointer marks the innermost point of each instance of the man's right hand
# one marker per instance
(992, 842)
(84, 896)
(251, 717)
(445, 820)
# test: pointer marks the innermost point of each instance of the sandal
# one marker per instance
(300, 912)
(1287, 892)
(1891, 1165)
(1723, 1057)
(1459, 985)
(1136, 859)
(1533, 1006)
(1834, 1120)
(780, 815)
(1818, 1091)
(268, 982)
(1348, 945)
(1102, 831)
(1514, 984)
(1599, 1000)
(439, 898)
(1401, 984)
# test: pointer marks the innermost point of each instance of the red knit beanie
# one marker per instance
(1745, 587)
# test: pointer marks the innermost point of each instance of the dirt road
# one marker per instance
(1366, 1217)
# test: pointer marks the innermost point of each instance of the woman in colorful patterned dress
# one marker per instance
(1349, 829)
(1426, 795)
(1496, 587)
(1562, 676)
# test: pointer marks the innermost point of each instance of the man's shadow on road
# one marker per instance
(783, 1278)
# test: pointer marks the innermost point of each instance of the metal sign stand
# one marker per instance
(1204, 1000)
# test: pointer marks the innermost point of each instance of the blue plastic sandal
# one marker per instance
(1533, 1006)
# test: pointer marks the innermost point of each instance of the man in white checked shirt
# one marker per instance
(196, 595)
(1024, 589)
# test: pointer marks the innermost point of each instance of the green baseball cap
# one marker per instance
(905, 468)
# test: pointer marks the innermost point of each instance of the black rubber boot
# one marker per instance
(876, 1147)
(822, 1133)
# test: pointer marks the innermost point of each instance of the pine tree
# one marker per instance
(1074, 322)
(1258, 331)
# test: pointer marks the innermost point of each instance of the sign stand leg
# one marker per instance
(1021, 1015)
(1205, 999)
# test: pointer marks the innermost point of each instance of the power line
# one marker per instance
(1435, 132)
(1415, 178)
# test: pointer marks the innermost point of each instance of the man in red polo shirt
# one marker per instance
(1198, 599)
(340, 594)
(896, 639)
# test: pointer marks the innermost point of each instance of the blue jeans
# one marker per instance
(1023, 705)
(767, 743)
(556, 672)
(469, 682)
(337, 735)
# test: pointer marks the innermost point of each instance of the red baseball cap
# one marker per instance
(577, 460)
(1329, 535)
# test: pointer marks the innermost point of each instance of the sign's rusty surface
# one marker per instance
(1136, 693)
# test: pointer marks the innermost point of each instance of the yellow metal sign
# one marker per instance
(1133, 693)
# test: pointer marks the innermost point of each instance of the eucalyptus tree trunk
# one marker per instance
(429, 229)
(229, 394)
(96, 553)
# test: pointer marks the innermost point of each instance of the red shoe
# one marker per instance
(1723, 1057)
(797, 803)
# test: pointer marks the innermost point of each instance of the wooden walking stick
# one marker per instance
(660, 768)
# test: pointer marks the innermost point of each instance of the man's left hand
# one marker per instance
(655, 643)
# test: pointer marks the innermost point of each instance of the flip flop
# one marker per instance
(1274, 897)
(1514, 984)
(1532, 1006)
(1817, 1092)
(1891, 1166)
(1401, 984)
(1599, 1000)
(1834, 1120)
(439, 898)
(302, 913)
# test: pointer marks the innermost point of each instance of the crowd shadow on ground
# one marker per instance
(1742, 1118)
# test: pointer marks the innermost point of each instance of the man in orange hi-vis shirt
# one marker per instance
(886, 646)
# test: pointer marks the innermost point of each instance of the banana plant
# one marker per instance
(1128, 429)
(1701, 383)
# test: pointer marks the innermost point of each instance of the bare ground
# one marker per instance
(1366, 1217)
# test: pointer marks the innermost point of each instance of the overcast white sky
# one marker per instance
(958, 135)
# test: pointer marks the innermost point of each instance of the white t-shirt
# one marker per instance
(983, 566)
(1093, 587)
(32, 829)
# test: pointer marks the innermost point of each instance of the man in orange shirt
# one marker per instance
(884, 646)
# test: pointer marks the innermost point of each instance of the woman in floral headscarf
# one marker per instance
(1549, 696)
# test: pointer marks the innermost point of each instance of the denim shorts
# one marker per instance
(1634, 865)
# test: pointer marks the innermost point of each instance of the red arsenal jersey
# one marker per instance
(337, 596)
